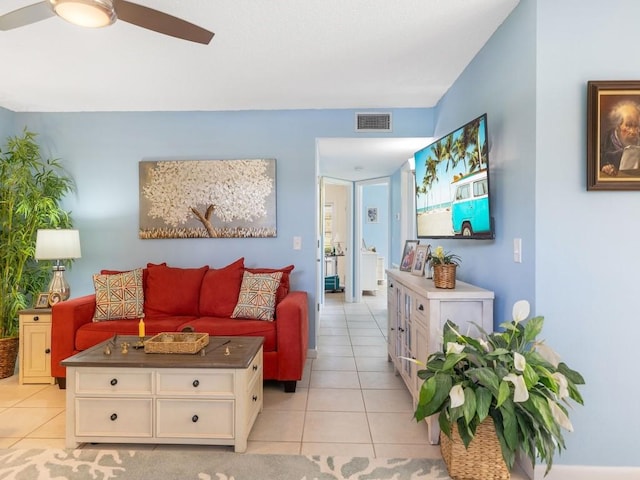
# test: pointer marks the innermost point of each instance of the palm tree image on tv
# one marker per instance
(452, 189)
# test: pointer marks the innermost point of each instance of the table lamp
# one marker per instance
(58, 245)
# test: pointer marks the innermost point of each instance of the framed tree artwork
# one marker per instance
(208, 198)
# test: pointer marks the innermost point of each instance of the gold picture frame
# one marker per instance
(42, 300)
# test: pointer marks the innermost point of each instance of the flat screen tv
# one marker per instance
(452, 185)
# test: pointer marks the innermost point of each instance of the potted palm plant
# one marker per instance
(506, 386)
(31, 189)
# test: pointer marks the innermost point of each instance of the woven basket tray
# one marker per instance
(173, 342)
(481, 461)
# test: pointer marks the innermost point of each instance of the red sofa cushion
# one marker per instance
(220, 289)
(172, 291)
(93, 333)
(284, 287)
(236, 327)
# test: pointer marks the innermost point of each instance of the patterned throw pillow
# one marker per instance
(257, 297)
(119, 296)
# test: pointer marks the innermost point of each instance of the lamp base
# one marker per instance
(58, 283)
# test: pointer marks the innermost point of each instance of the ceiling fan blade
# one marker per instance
(26, 15)
(160, 22)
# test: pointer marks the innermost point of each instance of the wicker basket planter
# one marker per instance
(444, 275)
(8, 356)
(481, 461)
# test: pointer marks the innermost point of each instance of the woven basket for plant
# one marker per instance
(444, 275)
(481, 461)
(8, 355)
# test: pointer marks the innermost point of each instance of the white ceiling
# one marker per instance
(266, 54)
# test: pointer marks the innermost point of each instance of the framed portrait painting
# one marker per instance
(408, 255)
(613, 135)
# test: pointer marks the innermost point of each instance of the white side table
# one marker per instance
(35, 346)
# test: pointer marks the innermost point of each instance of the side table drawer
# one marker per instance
(255, 370)
(114, 417)
(97, 381)
(195, 382)
(195, 418)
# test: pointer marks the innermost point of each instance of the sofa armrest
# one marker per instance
(292, 327)
(66, 318)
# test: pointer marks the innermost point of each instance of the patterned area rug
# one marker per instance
(32, 464)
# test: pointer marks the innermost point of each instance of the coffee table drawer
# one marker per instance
(195, 418)
(121, 381)
(195, 382)
(114, 417)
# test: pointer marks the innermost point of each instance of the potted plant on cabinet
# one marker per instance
(31, 189)
(505, 387)
(444, 268)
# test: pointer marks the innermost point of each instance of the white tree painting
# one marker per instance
(207, 198)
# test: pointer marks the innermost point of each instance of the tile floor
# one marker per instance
(349, 402)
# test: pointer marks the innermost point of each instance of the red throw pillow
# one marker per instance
(283, 289)
(220, 289)
(144, 271)
(172, 291)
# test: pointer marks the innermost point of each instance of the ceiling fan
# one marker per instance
(100, 13)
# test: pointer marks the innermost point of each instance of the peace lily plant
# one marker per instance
(509, 376)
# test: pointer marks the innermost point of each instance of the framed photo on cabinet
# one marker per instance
(420, 260)
(408, 254)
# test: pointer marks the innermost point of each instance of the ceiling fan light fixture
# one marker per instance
(85, 13)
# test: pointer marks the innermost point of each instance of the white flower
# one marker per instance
(520, 310)
(562, 384)
(454, 347)
(484, 344)
(559, 416)
(521, 393)
(519, 361)
(457, 396)
(548, 354)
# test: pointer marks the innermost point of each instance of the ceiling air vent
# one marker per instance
(373, 122)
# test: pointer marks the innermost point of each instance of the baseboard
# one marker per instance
(575, 472)
(583, 472)
(312, 353)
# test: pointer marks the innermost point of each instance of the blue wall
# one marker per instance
(580, 262)
(102, 151)
(376, 234)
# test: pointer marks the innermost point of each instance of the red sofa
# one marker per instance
(203, 298)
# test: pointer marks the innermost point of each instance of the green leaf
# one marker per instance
(469, 405)
(433, 395)
(533, 328)
(530, 376)
(452, 360)
(485, 376)
(571, 375)
(483, 402)
(503, 393)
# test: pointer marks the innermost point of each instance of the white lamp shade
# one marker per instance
(57, 244)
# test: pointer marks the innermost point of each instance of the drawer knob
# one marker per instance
(196, 383)
(255, 367)
(48, 350)
(114, 417)
(36, 318)
(421, 307)
(114, 381)
(194, 419)
(255, 398)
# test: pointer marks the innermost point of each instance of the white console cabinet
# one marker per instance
(417, 313)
